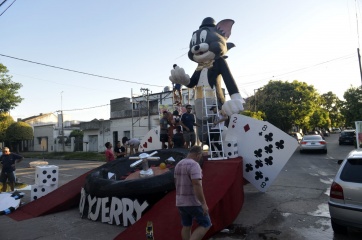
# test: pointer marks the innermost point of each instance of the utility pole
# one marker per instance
(148, 105)
(61, 112)
(255, 97)
(359, 63)
(255, 100)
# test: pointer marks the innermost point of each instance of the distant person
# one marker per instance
(164, 129)
(119, 151)
(109, 152)
(8, 161)
(133, 144)
(177, 89)
(190, 199)
(178, 138)
(176, 121)
(188, 123)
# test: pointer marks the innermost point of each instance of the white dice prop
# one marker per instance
(46, 175)
(46, 181)
(39, 191)
(231, 149)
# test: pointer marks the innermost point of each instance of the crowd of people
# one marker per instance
(179, 131)
(121, 149)
(176, 131)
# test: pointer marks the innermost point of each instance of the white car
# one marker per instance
(345, 198)
(313, 143)
(336, 130)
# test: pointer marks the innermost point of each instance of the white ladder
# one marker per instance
(216, 154)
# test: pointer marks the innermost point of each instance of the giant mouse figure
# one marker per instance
(208, 47)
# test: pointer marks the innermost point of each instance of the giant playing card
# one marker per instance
(265, 149)
(151, 141)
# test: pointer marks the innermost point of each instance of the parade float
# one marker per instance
(129, 185)
(137, 190)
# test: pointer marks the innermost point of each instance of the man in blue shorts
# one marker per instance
(190, 199)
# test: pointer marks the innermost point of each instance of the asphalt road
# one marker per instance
(294, 207)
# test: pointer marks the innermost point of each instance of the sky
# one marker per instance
(133, 45)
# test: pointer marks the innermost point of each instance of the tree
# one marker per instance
(78, 142)
(5, 121)
(286, 104)
(18, 132)
(320, 119)
(352, 106)
(257, 115)
(8, 91)
(332, 104)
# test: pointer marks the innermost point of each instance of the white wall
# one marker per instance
(140, 128)
(43, 132)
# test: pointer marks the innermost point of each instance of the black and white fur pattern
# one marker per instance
(208, 47)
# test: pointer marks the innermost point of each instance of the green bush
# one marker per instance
(89, 156)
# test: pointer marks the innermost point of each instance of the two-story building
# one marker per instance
(129, 117)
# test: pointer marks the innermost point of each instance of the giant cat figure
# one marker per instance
(208, 48)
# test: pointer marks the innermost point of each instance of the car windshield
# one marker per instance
(352, 171)
(313, 137)
(347, 133)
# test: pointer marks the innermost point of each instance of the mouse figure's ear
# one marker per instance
(224, 26)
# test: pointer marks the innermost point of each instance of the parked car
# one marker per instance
(296, 135)
(313, 133)
(313, 143)
(347, 137)
(336, 130)
(316, 132)
(326, 133)
(345, 198)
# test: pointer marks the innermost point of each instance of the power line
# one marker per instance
(7, 7)
(70, 70)
(2, 3)
(300, 69)
(79, 109)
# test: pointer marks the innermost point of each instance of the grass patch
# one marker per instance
(89, 156)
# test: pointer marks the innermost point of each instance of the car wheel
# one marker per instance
(301, 151)
(340, 143)
(338, 228)
(325, 151)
